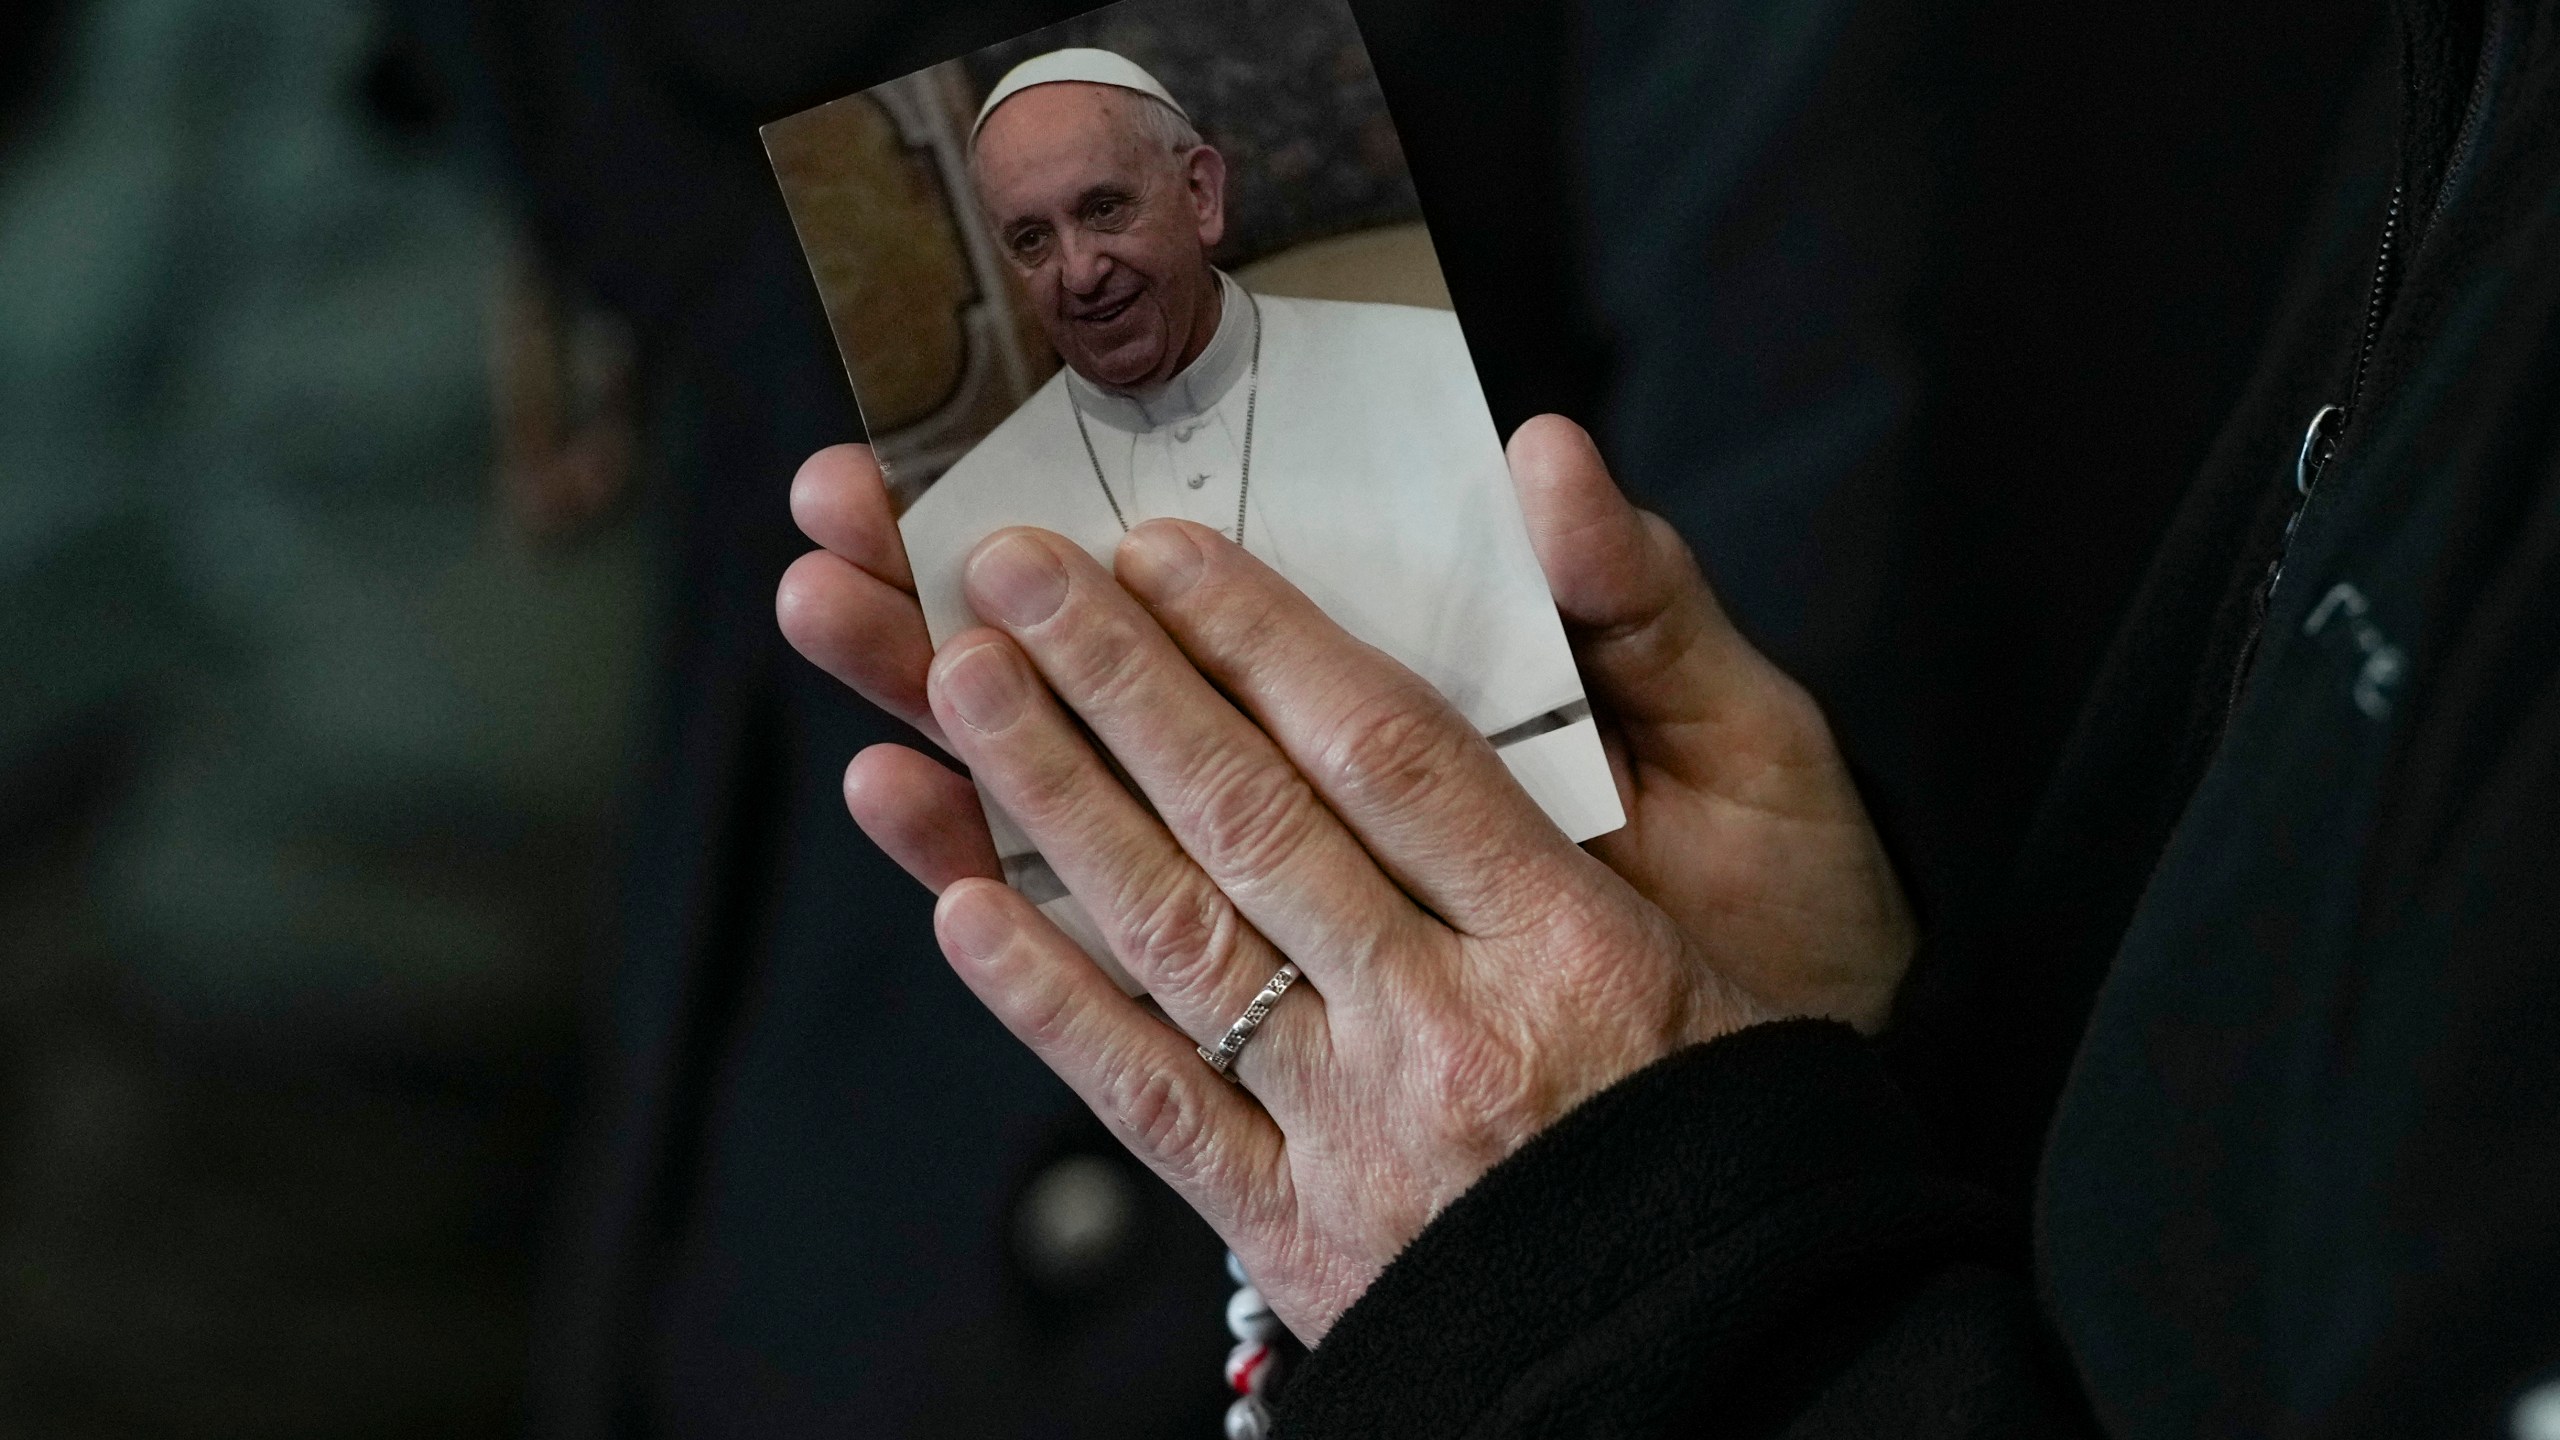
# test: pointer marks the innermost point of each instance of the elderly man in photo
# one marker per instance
(1346, 444)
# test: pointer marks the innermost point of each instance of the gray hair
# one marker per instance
(1165, 125)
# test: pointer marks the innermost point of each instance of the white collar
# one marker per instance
(1201, 385)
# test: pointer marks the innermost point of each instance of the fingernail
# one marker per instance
(1017, 582)
(985, 686)
(978, 926)
(1159, 562)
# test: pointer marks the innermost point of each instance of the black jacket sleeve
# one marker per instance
(1745, 1239)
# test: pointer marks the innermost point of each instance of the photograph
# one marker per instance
(1165, 260)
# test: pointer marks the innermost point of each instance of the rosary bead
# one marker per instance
(1249, 1317)
(1249, 1367)
(1235, 1269)
(1248, 1419)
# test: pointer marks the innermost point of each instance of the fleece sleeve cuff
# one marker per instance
(1666, 1226)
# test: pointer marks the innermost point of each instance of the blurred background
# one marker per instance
(440, 992)
(316, 722)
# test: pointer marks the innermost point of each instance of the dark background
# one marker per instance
(442, 992)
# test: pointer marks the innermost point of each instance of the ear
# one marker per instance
(1205, 170)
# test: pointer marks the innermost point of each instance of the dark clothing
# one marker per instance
(2268, 1002)
(1750, 1235)
(1925, 317)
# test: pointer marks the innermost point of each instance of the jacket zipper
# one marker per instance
(2320, 441)
(2330, 422)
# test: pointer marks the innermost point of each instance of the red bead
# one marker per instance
(1249, 1367)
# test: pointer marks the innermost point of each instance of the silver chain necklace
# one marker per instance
(1252, 401)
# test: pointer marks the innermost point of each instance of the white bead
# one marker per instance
(1249, 1318)
(1248, 1419)
(1235, 1269)
(2537, 1414)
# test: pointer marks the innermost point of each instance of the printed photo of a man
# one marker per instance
(1346, 443)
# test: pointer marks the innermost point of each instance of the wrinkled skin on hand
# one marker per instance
(1470, 975)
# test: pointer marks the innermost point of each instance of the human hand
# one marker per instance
(1742, 823)
(1470, 974)
(1438, 1036)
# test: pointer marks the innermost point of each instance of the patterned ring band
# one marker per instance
(1222, 1058)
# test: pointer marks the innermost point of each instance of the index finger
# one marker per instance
(1393, 758)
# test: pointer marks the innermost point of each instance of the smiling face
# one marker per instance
(1109, 225)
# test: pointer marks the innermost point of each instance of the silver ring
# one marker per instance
(1223, 1057)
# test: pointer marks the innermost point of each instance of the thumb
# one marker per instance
(1655, 647)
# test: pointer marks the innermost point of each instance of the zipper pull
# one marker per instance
(2318, 444)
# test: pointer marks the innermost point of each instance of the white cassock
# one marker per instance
(1378, 487)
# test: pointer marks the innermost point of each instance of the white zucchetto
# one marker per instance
(1092, 67)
